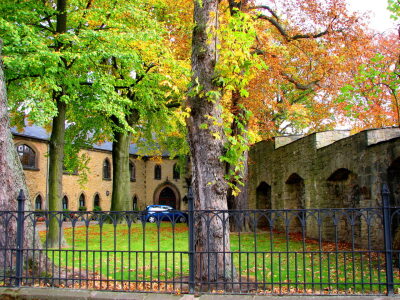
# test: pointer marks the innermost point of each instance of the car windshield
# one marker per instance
(159, 208)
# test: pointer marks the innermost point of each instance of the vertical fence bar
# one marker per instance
(20, 238)
(191, 240)
(388, 239)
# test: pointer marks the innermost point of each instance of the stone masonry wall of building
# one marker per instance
(36, 179)
(145, 187)
(326, 170)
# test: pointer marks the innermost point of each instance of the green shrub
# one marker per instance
(97, 208)
(82, 208)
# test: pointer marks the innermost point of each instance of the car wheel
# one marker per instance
(151, 219)
(182, 219)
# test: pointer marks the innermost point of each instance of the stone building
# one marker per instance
(331, 169)
(153, 181)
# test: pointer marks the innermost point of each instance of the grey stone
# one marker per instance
(318, 160)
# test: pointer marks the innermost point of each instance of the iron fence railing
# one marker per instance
(304, 251)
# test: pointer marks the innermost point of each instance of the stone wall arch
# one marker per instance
(294, 199)
(343, 191)
(263, 196)
(393, 176)
(163, 187)
(294, 192)
(393, 179)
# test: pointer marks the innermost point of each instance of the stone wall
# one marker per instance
(327, 170)
(145, 187)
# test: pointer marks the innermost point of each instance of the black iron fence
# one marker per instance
(305, 251)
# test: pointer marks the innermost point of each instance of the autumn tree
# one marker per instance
(297, 82)
(206, 140)
(312, 49)
(305, 48)
(371, 99)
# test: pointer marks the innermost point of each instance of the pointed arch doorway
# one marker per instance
(167, 195)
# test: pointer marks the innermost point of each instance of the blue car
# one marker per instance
(156, 213)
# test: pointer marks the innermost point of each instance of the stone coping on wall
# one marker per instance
(326, 138)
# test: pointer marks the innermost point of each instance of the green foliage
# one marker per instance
(97, 208)
(237, 64)
(82, 208)
(236, 146)
(394, 7)
(113, 59)
(375, 85)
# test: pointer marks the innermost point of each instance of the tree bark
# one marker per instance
(12, 180)
(120, 198)
(55, 237)
(56, 158)
(206, 140)
(121, 177)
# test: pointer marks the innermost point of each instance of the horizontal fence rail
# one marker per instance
(305, 251)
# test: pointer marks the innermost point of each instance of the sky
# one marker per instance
(380, 16)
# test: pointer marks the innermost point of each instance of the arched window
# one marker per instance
(96, 201)
(38, 202)
(106, 169)
(27, 156)
(134, 203)
(157, 172)
(65, 202)
(82, 202)
(132, 171)
(176, 172)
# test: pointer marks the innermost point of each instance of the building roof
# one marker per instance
(40, 133)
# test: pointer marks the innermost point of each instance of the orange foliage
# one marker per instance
(312, 49)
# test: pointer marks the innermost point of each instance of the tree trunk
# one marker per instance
(121, 178)
(239, 222)
(55, 236)
(206, 140)
(12, 180)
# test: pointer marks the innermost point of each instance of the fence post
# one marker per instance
(388, 239)
(191, 240)
(20, 238)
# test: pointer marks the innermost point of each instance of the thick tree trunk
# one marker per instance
(55, 236)
(12, 180)
(121, 178)
(206, 139)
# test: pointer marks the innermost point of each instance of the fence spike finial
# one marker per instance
(385, 189)
(21, 195)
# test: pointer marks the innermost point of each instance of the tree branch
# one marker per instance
(298, 85)
(274, 20)
(140, 78)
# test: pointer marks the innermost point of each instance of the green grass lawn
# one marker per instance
(276, 263)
